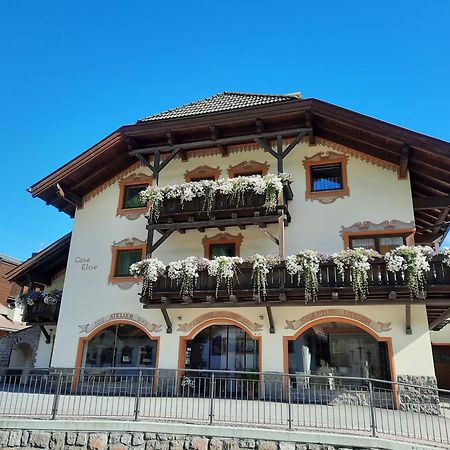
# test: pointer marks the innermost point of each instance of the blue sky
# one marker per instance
(72, 72)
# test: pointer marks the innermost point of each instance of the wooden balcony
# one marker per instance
(193, 214)
(41, 313)
(283, 289)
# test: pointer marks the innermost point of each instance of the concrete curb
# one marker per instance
(307, 437)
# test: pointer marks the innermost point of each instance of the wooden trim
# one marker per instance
(407, 232)
(202, 172)
(114, 250)
(222, 238)
(247, 168)
(133, 180)
(217, 321)
(321, 159)
(440, 344)
(306, 327)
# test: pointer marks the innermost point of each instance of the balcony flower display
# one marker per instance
(261, 267)
(30, 298)
(446, 253)
(305, 265)
(357, 261)
(414, 263)
(185, 272)
(149, 269)
(268, 185)
(224, 269)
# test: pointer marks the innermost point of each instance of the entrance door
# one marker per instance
(441, 356)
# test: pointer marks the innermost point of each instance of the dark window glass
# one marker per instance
(222, 250)
(212, 178)
(131, 198)
(124, 260)
(120, 346)
(326, 177)
(382, 244)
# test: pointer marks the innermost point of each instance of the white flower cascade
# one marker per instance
(412, 262)
(268, 185)
(150, 270)
(261, 267)
(305, 265)
(357, 261)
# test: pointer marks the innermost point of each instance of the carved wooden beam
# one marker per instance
(442, 318)
(68, 196)
(403, 168)
(45, 333)
(440, 220)
(167, 320)
(408, 328)
(442, 201)
(270, 318)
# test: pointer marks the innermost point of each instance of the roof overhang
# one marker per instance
(427, 159)
(43, 265)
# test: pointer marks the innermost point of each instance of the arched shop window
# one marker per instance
(339, 349)
(120, 346)
(222, 347)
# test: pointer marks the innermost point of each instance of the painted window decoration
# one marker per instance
(124, 260)
(326, 177)
(248, 168)
(120, 346)
(382, 244)
(132, 198)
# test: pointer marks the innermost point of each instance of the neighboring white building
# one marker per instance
(357, 182)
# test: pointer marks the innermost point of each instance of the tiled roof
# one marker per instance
(221, 102)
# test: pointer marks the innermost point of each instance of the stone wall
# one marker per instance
(418, 399)
(77, 440)
(29, 336)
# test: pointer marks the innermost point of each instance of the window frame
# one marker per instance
(113, 278)
(376, 237)
(222, 238)
(315, 166)
(327, 159)
(134, 180)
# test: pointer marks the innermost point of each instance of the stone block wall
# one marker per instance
(77, 440)
(418, 399)
(29, 336)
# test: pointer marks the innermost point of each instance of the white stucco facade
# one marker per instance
(376, 195)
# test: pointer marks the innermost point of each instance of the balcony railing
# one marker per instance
(193, 214)
(41, 312)
(334, 288)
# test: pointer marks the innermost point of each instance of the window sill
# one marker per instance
(327, 197)
(131, 213)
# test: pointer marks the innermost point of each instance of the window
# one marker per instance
(124, 260)
(327, 177)
(120, 346)
(125, 253)
(130, 204)
(131, 196)
(382, 244)
(222, 250)
(222, 244)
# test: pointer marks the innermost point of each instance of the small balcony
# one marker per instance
(282, 288)
(41, 313)
(193, 214)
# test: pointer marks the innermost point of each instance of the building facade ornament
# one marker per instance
(367, 225)
(334, 312)
(202, 172)
(254, 327)
(126, 317)
(247, 168)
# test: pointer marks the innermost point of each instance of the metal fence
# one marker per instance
(273, 400)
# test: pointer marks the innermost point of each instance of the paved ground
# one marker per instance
(340, 417)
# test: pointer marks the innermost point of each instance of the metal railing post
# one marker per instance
(137, 403)
(211, 398)
(373, 423)
(56, 396)
(289, 405)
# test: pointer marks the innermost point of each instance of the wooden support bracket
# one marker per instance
(443, 317)
(45, 333)
(167, 320)
(403, 167)
(270, 318)
(68, 196)
(408, 329)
